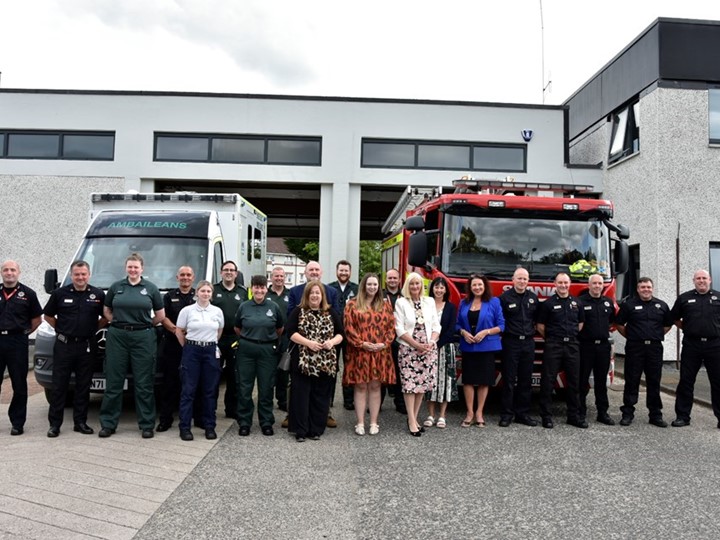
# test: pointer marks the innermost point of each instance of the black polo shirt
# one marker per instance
(520, 312)
(175, 300)
(76, 312)
(599, 315)
(700, 313)
(18, 307)
(560, 316)
(644, 320)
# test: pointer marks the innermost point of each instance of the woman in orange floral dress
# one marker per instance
(369, 330)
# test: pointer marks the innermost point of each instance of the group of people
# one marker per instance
(399, 341)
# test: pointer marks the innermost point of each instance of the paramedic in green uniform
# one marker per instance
(131, 342)
(258, 323)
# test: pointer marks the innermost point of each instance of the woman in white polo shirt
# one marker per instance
(199, 327)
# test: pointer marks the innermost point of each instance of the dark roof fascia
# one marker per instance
(281, 97)
(652, 25)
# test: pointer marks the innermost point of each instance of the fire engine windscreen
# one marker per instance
(162, 256)
(496, 246)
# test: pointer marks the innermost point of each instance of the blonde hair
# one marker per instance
(412, 276)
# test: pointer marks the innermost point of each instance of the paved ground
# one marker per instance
(519, 482)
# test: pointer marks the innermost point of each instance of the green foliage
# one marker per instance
(370, 257)
(308, 249)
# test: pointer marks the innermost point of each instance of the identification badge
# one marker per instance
(691, 301)
(512, 305)
(638, 307)
(588, 308)
(557, 307)
(68, 300)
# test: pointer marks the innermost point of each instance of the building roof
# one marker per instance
(669, 53)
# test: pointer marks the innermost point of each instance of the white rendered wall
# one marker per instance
(342, 124)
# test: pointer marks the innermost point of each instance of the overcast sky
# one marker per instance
(478, 50)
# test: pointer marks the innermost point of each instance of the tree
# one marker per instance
(308, 249)
(370, 257)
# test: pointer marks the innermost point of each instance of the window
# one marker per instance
(181, 149)
(217, 262)
(625, 136)
(714, 115)
(57, 145)
(715, 262)
(238, 150)
(264, 149)
(461, 156)
(293, 152)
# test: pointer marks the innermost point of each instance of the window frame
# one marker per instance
(6, 136)
(265, 139)
(418, 143)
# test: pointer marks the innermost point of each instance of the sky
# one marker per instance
(479, 50)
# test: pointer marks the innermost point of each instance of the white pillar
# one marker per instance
(339, 227)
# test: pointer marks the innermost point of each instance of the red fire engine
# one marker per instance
(492, 227)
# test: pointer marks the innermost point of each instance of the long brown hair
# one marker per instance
(487, 293)
(362, 298)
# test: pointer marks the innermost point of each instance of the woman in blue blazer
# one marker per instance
(480, 322)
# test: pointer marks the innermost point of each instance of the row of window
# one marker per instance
(57, 145)
(269, 150)
(441, 155)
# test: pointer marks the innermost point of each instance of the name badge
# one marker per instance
(638, 307)
(588, 308)
(691, 301)
(68, 300)
(512, 305)
(557, 307)
(174, 299)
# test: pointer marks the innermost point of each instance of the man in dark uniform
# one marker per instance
(392, 293)
(697, 313)
(643, 320)
(174, 301)
(346, 290)
(313, 272)
(595, 347)
(20, 315)
(278, 293)
(560, 319)
(228, 295)
(519, 307)
(76, 313)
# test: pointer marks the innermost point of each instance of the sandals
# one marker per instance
(480, 423)
(429, 422)
(467, 423)
(441, 423)
(374, 429)
(360, 429)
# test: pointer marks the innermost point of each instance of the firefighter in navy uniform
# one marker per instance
(169, 392)
(599, 313)
(560, 319)
(228, 295)
(519, 307)
(697, 313)
(643, 321)
(76, 313)
(20, 315)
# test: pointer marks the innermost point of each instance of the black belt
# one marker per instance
(595, 341)
(131, 327)
(516, 336)
(201, 343)
(259, 341)
(562, 339)
(703, 339)
(64, 338)
(12, 332)
(644, 341)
